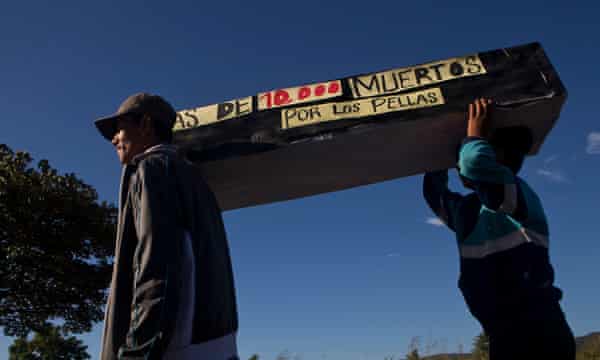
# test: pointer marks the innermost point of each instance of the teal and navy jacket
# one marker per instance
(502, 234)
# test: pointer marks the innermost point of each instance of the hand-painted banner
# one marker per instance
(188, 119)
(393, 81)
(298, 95)
(309, 115)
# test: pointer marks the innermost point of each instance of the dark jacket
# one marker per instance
(502, 235)
(163, 203)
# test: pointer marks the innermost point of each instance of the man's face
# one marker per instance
(128, 140)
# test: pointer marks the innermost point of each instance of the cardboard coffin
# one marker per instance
(289, 143)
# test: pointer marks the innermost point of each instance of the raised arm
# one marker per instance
(494, 183)
(443, 202)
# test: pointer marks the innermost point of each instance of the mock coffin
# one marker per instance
(333, 135)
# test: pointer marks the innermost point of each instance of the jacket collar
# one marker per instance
(160, 148)
(128, 169)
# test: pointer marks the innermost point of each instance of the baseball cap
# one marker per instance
(141, 103)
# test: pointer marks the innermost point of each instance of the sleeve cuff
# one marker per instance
(470, 139)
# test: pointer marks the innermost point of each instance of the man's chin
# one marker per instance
(122, 159)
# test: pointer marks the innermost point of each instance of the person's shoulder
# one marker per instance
(152, 163)
(523, 184)
(156, 163)
(156, 156)
(528, 192)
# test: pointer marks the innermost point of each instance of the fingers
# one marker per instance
(483, 108)
(487, 106)
(471, 110)
(479, 108)
(478, 123)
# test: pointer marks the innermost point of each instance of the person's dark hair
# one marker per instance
(515, 142)
(161, 131)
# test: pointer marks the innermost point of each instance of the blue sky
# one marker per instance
(348, 275)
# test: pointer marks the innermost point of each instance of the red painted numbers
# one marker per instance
(298, 95)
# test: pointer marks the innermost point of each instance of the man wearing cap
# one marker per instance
(172, 294)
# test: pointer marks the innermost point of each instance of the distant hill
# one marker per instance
(586, 345)
(587, 339)
(466, 356)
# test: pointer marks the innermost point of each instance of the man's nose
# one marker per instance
(115, 139)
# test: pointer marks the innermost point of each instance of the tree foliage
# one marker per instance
(284, 355)
(413, 355)
(55, 247)
(589, 347)
(413, 349)
(48, 344)
(481, 347)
